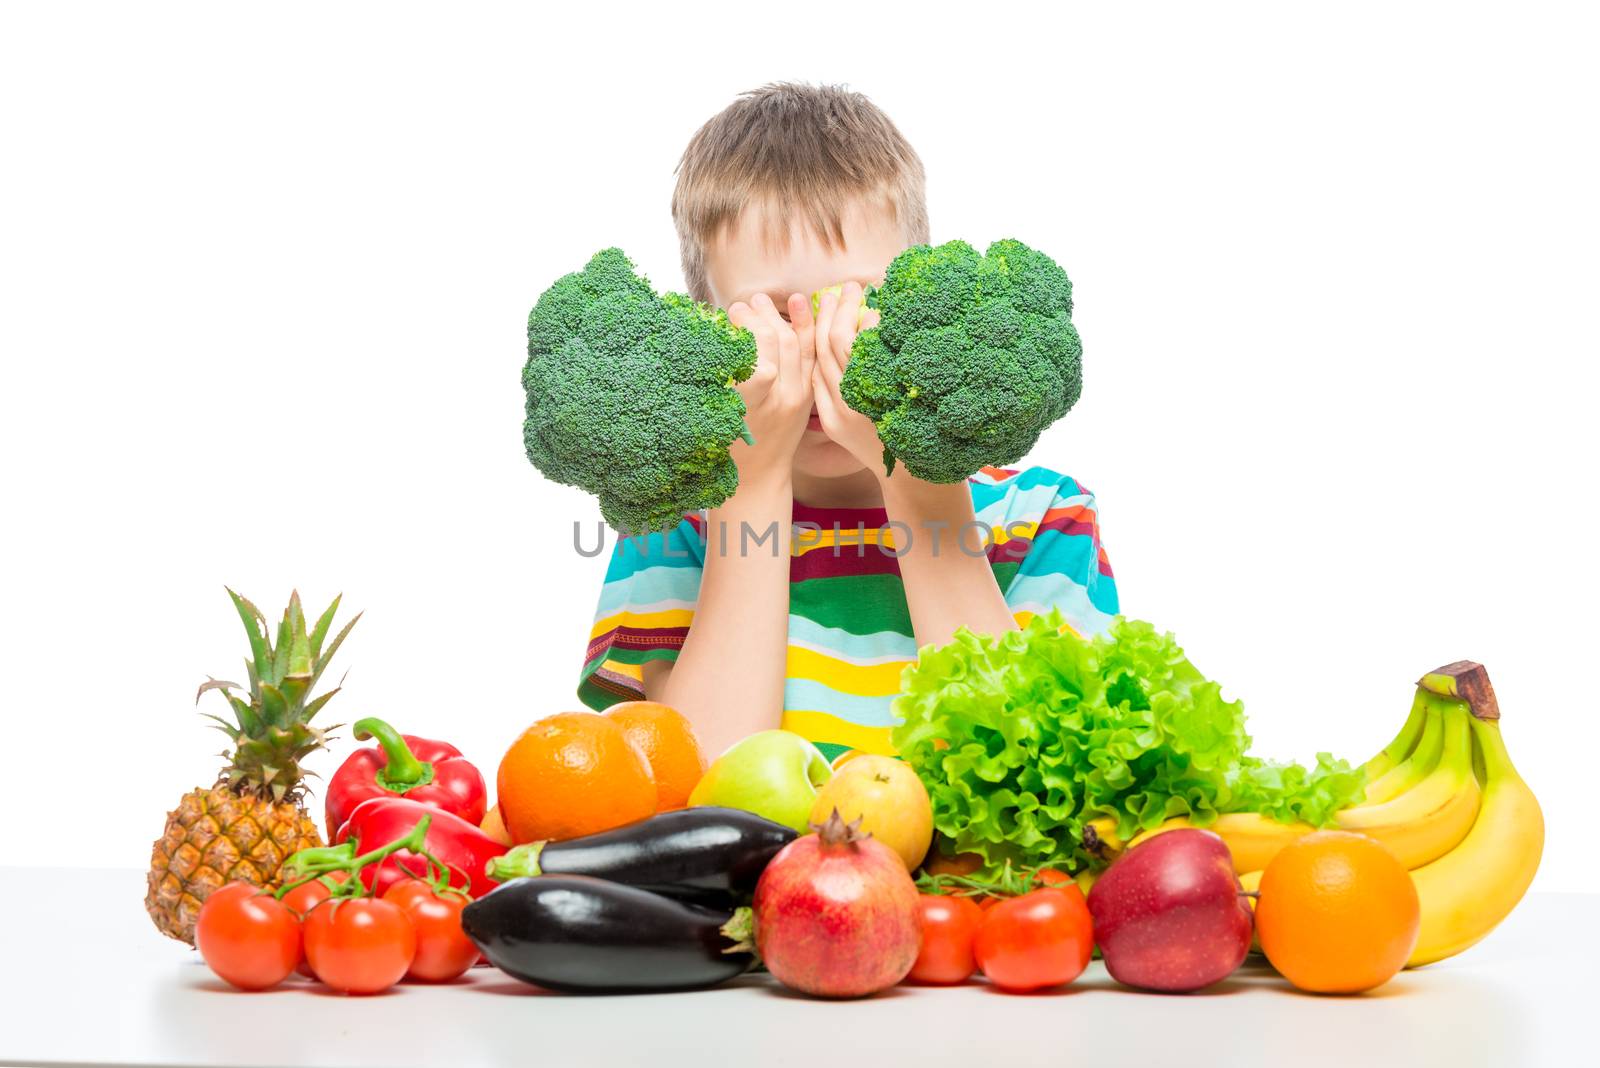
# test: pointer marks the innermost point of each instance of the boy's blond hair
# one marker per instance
(793, 149)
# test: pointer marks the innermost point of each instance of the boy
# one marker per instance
(798, 602)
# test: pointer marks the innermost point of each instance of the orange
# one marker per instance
(845, 757)
(669, 744)
(1337, 913)
(571, 774)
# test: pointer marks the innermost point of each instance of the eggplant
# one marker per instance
(583, 935)
(708, 855)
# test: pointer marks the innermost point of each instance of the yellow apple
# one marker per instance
(889, 800)
(495, 827)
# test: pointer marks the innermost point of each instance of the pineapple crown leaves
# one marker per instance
(272, 731)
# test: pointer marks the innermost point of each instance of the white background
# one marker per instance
(265, 280)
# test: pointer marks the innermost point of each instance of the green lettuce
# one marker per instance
(1023, 738)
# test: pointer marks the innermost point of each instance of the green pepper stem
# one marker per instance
(403, 771)
(516, 863)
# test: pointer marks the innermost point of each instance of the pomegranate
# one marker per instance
(836, 913)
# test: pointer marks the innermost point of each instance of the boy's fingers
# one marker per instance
(805, 330)
(756, 387)
(828, 363)
(829, 371)
(842, 331)
(767, 312)
(789, 378)
(822, 396)
(785, 343)
(827, 309)
(800, 316)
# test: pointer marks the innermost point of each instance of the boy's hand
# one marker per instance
(777, 397)
(839, 319)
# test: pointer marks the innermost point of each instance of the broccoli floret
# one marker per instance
(630, 395)
(973, 358)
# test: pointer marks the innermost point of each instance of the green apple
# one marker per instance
(771, 773)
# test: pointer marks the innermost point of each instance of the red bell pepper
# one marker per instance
(457, 844)
(403, 765)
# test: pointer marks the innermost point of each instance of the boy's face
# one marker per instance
(745, 261)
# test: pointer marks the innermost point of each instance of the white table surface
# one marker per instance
(86, 979)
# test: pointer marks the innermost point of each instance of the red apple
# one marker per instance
(1169, 914)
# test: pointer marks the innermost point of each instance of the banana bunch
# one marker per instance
(1442, 795)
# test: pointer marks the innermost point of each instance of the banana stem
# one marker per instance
(1467, 681)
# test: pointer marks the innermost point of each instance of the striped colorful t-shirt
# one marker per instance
(850, 632)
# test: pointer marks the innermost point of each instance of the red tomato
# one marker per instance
(948, 926)
(444, 952)
(1041, 939)
(359, 945)
(1052, 877)
(247, 937)
(301, 900)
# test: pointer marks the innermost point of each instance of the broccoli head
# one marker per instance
(973, 358)
(630, 395)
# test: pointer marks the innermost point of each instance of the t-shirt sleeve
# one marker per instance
(646, 606)
(1060, 560)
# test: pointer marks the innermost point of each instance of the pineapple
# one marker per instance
(245, 825)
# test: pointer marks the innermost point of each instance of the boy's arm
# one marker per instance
(947, 577)
(945, 567)
(729, 676)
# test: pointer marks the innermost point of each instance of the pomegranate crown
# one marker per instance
(834, 831)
